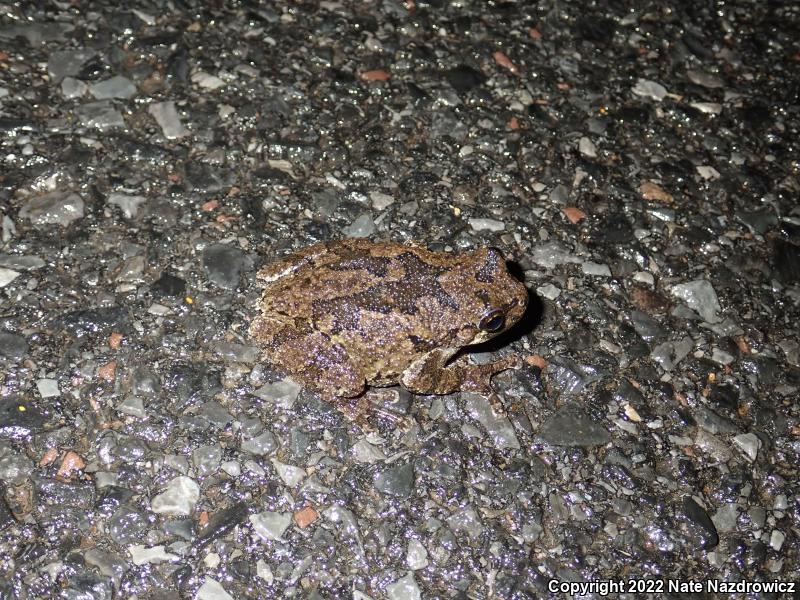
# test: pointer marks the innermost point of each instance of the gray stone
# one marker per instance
(283, 393)
(260, 445)
(7, 276)
(223, 265)
(396, 481)
(178, 498)
(55, 208)
(749, 444)
(65, 63)
(206, 459)
(568, 428)
(725, 517)
(212, 590)
(73, 88)
(480, 224)
(48, 388)
(405, 588)
(649, 89)
(14, 466)
(497, 426)
(270, 525)
(115, 87)
(128, 204)
(289, 474)
(142, 555)
(363, 226)
(12, 346)
(21, 262)
(100, 115)
(167, 117)
(699, 295)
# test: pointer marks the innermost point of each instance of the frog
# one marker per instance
(340, 317)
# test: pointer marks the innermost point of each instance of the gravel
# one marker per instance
(638, 166)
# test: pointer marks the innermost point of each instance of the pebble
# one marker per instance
(551, 254)
(21, 262)
(749, 444)
(497, 426)
(55, 208)
(726, 516)
(127, 203)
(15, 467)
(289, 474)
(207, 81)
(364, 452)
(380, 201)
(566, 428)
(206, 459)
(700, 296)
(282, 393)
(73, 88)
(167, 117)
(212, 590)
(670, 354)
(260, 445)
(405, 588)
(100, 115)
(115, 87)
(63, 63)
(587, 147)
(270, 525)
(142, 555)
(363, 226)
(223, 265)
(7, 276)
(48, 388)
(12, 346)
(649, 89)
(178, 498)
(549, 291)
(478, 224)
(595, 269)
(396, 481)
(416, 555)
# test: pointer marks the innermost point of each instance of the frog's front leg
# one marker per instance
(430, 374)
(309, 356)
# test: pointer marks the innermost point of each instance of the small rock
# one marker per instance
(396, 481)
(55, 208)
(566, 428)
(270, 525)
(650, 89)
(142, 555)
(749, 444)
(223, 265)
(497, 426)
(699, 295)
(178, 498)
(416, 555)
(405, 588)
(260, 445)
(73, 88)
(100, 115)
(595, 269)
(15, 467)
(587, 147)
(67, 62)
(207, 81)
(168, 119)
(363, 226)
(116, 87)
(7, 276)
(212, 590)
(12, 346)
(282, 393)
(549, 291)
(486, 224)
(290, 474)
(128, 204)
(48, 388)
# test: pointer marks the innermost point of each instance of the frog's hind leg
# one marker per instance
(310, 357)
(432, 375)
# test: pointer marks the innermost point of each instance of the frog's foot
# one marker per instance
(433, 376)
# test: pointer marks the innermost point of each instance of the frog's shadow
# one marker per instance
(530, 319)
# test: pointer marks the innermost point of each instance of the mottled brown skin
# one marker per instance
(341, 315)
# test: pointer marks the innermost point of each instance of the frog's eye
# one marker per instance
(493, 321)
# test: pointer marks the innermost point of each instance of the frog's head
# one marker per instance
(491, 300)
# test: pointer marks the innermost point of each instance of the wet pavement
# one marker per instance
(639, 165)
